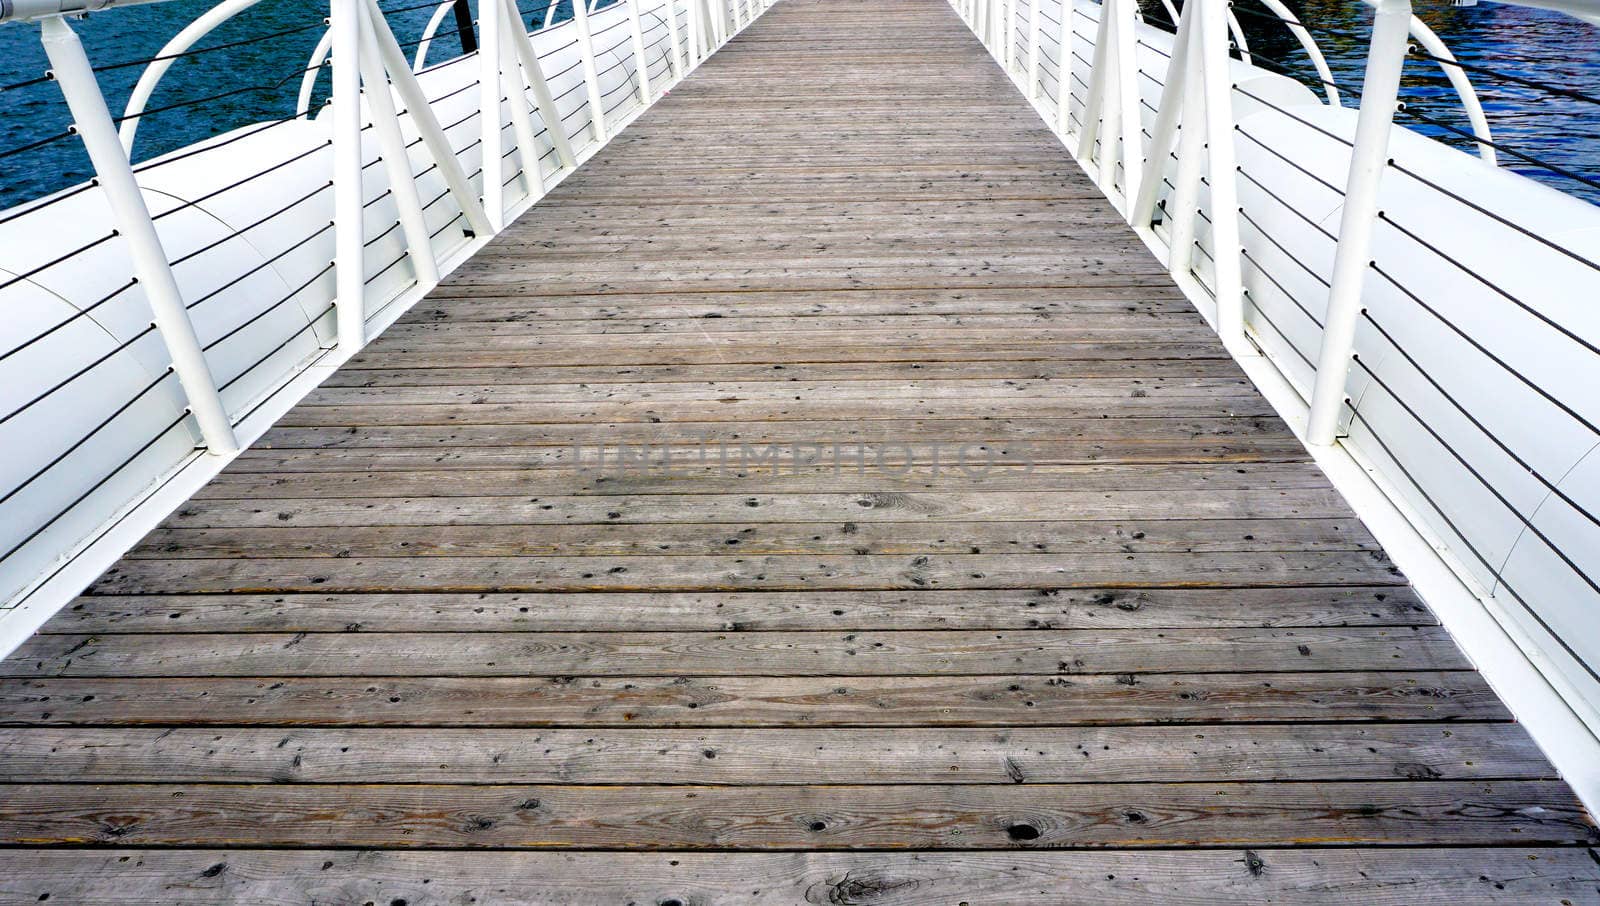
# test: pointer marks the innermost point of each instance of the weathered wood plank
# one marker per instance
(796, 572)
(904, 392)
(1377, 877)
(889, 506)
(784, 455)
(845, 348)
(829, 538)
(1097, 439)
(740, 701)
(740, 470)
(909, 652)
(1091, 608)
(755, 757)
(1516, 812)
(792, 408)
(522, 373)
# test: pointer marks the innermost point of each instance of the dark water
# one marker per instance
(258, 81)
(1513, 42)
(233, 86)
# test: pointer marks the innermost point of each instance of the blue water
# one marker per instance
(1513, 42)
(1559, 130)
(233, 86)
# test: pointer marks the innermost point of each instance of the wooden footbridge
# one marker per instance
(841, 507)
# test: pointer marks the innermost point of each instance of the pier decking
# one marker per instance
(980, 573)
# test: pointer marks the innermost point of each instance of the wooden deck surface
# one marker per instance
(1009, 588)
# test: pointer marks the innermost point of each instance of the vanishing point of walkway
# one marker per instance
(1136, 651)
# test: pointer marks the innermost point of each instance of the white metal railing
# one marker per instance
(159, 313)
(1424, 319)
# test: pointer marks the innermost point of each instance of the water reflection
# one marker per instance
(1531, 44)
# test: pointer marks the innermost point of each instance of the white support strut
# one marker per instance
(425, 122)
(591, 77)
(1368, 158)
(349, 250)
(491, 149)
(396, 159)
(528, 61)
(69, 66)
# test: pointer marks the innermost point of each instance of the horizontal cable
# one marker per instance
(1491, 214)
(248, 227)
(107, 477)
(40, 143)
(77, 374)
(260, 266)
(1496, 288)
(1505, 448)
(269, 309)
(1526, 522)
(1542, 164)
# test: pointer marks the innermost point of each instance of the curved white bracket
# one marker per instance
(1463, 86)
(427, 34)
(164, 58)
(308, 81)
(1430, 42)
(1237, 31)
(1309, 45)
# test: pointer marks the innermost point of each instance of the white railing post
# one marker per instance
(69, 65)
(427, 125)
(1094, 101)
(1125, 15)
(396, 159)
(695, 29)
(640, 65)
(1368, 158)
(1034, 21)
(528, 62)
(675, 54)
(1215, 69)
(1185, 198)
(1064, 71)
(349, 250)
(591, 77)
(492, 146)
(1112, 113)
(517, 99)
(1003, 34)
(1163, 136)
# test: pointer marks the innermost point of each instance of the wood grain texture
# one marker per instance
(1379, 877)
(927, 816)
(751, 701)
(723, 756)
(1050, 608)
(819, 497)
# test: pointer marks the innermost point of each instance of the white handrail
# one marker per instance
(428, 31)
(1309, 45)
(308, 81)
(1463, 86)
(167, 55)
